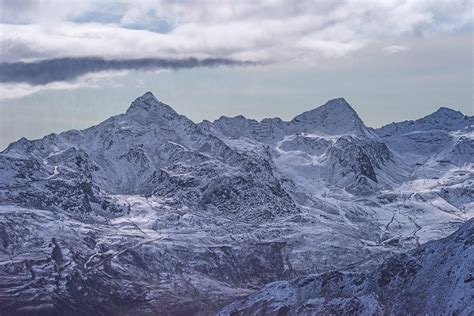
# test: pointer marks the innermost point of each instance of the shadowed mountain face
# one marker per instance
(148, 211)
(437, 276)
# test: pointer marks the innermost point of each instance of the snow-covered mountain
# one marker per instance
(148, 211)
(445, 137)
(150, 151)
(329, 143)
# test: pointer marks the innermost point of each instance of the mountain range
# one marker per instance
(151, 213)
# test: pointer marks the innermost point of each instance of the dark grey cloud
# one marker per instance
(67, 69)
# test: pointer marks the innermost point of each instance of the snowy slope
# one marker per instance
(444, 119)
(433, 138)
(434, 278)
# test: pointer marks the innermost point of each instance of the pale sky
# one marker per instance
(72, 66)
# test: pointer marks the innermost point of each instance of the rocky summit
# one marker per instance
(150, 213)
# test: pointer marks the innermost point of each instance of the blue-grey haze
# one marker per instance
(401, 61)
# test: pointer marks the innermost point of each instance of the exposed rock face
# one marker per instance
(436, 277)
(148, 211)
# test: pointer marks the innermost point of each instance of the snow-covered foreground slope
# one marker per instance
(435, 278)
(149, 211)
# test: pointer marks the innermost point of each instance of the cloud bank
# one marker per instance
(47, 41)
(269, 30)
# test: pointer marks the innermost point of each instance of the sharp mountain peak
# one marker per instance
(337, 105)
(445, 111)
(148, 103)
(334, 116)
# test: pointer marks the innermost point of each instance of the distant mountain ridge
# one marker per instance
(444, 119)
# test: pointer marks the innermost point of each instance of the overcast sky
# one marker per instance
(72, 65)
